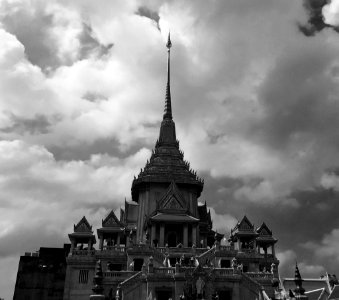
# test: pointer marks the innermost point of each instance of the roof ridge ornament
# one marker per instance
(168, 104)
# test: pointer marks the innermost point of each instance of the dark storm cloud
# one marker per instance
(298, 98)
(148, 13)
(315, 22)
(33, 37)
(41, 46)
(294, 227)
(20, 125)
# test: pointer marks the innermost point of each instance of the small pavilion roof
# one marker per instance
(265, 235)
(83, 226)
(244, 228)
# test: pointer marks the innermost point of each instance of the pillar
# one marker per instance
(153, 233)
(162, 235)
(89, 247)
(72, 246)
(118, 240)
(101, 245)
(185, 235)
(194, 235)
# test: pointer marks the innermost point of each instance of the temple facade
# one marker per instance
(163, 246)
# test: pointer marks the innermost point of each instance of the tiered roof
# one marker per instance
(244, 228)
(83, 231)
(167, 162)
(265, 235)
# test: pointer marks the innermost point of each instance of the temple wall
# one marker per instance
(74, 290)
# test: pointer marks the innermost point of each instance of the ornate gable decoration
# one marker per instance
(83, 226)
(245, 225)
(172, 199)
(264, 230)
(111, 221)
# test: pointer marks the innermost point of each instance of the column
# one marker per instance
(153, 234)
(185, 235)
(72, 247)
(118, 240)
(89, 247)
(194, 235)
(101, 245)
(162, 235)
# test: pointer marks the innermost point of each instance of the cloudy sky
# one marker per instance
(255, 91)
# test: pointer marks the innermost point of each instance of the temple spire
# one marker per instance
(168, 105)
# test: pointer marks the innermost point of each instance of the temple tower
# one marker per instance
(167, 188)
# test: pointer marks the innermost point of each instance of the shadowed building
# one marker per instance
(163, 245)
(41, 275)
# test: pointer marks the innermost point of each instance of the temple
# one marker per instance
(163, 246)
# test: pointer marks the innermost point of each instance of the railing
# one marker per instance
(83, 252)
(181, 250)
(226, 248)
(226, 272)
(118, 274)
(128, 284)
(208, 255)
(252, 285)
(263, 275)
(164, 271)
(158, 256)
(114, 248)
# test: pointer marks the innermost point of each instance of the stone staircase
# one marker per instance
(129, 285)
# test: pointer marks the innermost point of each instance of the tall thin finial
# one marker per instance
(168, 105)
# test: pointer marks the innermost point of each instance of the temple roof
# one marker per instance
(244, 228)
(265, 234)
(172, 199)
(83, 226)
(334, 293)
(174, 218)
(167, 162)
(318, 294)
(83, 231)
(112, 221)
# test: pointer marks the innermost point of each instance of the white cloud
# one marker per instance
(223, 223)
(330, 12)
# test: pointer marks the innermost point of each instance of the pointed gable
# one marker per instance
(265, 235)
(244, 228)
(172, 199)
(111, 221)
(245, 225)
(83, 226)
(264, 230)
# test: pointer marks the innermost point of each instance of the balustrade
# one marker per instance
(83, 252)
(118, 274)
(164, 271)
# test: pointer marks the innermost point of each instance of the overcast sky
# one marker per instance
(255, 95)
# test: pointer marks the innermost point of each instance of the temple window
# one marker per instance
(83, 276)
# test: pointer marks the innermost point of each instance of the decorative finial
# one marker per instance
(168, 105)
(169, 43)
